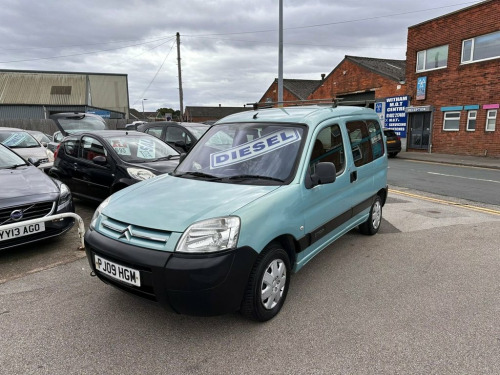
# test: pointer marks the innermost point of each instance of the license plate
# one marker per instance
(116, 271)
(25, 230)
(391, 141)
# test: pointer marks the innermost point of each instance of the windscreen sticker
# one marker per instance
(121, 148)
(14, 139)
(146, 149)
(258, 147)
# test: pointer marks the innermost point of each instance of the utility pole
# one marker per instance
(280, 57)
(180, 75)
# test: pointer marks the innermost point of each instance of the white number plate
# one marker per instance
(125, 274)
(25, 230)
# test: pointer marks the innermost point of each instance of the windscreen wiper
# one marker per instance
(199, 174)
(256, 177)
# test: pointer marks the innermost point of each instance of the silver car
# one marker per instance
(27, 146)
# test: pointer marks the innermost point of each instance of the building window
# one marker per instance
(60, 90)
(451, 121)
(433, 58)
(482, 47)
(471, 120)
(491, 118)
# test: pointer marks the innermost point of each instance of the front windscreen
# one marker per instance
(18, 139)
(72, 124)
(141, 148)
(246, 153)
(9, 159)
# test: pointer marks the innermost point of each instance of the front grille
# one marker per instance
(133, 234)
(29, 211)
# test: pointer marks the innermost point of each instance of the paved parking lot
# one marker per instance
(420, 297)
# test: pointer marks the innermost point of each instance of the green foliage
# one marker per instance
(175, 113)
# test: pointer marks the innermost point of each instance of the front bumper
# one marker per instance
(211, 284)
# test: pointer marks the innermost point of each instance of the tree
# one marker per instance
(175, 113)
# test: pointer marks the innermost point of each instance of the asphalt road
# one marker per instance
(420, 297)
(464, 182)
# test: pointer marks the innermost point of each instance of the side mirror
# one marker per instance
(44, 144)
(35, 161)
(100, 160)
(324, 173)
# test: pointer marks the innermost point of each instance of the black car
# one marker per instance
(393, 142)
(27, 193)
(74, 122)
(180, 135)
(96, 164)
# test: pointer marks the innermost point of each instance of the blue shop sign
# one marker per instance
(100, 112)
(395, 114)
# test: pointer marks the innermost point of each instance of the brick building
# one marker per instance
(358, 80)
(453, 78)
(294, 91)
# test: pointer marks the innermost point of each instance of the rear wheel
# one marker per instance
(372, 225)
(268, 284)
(392, 154)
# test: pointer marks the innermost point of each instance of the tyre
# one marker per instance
(372, 225)
(392, 154)
(267, 285)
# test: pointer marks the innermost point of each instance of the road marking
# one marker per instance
(450, 164)
(466, 178)
(448, 203)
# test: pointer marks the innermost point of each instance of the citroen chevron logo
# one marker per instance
(127, 233)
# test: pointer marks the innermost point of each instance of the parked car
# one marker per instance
(74, 122)
(98, 163)
(256, 198)
(393, 143)
(180, 135)
(28, 193)
(41, 137)
(27, 146)
(134, 125)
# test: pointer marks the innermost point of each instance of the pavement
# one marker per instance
(472, 161)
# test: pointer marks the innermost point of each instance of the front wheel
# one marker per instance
(372, 225)
(268, 284)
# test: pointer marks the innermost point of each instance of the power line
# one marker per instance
(157, 72)
(338, 22)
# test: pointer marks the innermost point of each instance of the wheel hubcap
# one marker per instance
(273, 284)
(376, 214)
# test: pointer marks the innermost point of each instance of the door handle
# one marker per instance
(354, 176)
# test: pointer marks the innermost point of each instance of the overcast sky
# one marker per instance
(229, 48)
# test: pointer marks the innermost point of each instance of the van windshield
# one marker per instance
(245, 153)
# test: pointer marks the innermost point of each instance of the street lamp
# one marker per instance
(143, 109)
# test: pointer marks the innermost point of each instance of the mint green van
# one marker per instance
(257, 197)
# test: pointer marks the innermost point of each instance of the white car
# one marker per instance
(27, 146)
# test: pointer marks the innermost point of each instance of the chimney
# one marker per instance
(220, 105)
(323, 76)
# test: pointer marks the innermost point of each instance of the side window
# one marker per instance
(156, 131)
(376, 138)
(91, 148)
(329, 147)
(174, 134)
(71, 147)
(366, 140)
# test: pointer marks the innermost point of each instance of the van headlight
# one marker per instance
(140, 174)
(210, 235)
(97, 212)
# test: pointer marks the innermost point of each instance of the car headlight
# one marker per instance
(50, 155)
(210, 235)
(140, 174)
(98, 212)
(64, 196)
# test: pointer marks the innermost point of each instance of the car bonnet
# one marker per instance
(172, 203)
(22, 182)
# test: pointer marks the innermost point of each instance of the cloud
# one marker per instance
(229, 49)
